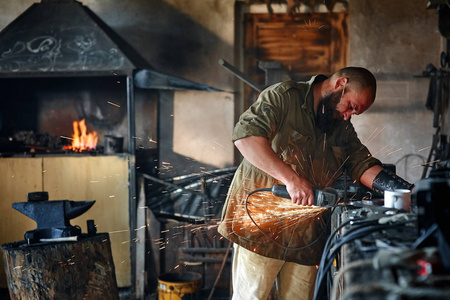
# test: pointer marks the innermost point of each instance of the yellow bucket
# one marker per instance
(174, 286)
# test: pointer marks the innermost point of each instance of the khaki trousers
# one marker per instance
(254, 276)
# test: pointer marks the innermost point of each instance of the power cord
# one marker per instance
(331, 250)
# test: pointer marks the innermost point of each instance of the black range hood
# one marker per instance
(65, 38)
(62, 36)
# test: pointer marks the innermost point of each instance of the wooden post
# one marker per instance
(61, 270)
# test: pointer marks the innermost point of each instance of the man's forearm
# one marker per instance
(258, 152)
(369, 175)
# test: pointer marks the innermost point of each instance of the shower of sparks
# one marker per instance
(336, 173)
(272, 216)
(380, 150)
(66, 137)
(114, 104)
(426, 164)
(299, 163)
(420, 150)
(118, 231)
(140, 228)
(275, 216)
(374, 135)
(309, 23)
(166, 166)
(312, 170)
(219, 145)
(388, 150)
(392, 152)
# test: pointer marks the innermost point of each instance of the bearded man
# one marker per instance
(297, 134)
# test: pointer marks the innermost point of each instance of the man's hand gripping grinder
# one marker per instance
(326, 198)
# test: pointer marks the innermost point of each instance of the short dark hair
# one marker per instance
(359, 79)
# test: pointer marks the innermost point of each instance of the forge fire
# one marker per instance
(81, 140)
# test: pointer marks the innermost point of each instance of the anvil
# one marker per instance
(52, 217)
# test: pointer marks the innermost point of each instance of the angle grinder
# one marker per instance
(327, 197)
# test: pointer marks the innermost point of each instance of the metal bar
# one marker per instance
(155, 179)
(131, 116)
(204, 173)
(240, 75)
(132, 181)
(187, 187)
(140, 242)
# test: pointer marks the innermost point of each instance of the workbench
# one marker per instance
(374, 254)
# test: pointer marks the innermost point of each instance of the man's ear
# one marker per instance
(340, 82)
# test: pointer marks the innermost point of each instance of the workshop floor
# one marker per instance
(218, 295)
(4, 294)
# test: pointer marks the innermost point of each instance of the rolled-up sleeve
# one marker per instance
(261, 118)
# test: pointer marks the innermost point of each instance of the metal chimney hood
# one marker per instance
(65, 38)
(57, 36)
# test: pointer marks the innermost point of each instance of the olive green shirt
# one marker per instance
(284, 114)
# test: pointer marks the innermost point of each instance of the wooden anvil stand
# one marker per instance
(81, 269)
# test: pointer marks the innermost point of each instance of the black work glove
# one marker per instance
(387, 180)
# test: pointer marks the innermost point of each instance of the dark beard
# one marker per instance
(327, 116)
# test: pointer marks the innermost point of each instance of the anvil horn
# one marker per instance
(77, 208)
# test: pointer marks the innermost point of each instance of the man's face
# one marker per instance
(340, 105)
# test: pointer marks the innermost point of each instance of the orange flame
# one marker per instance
(83, 141)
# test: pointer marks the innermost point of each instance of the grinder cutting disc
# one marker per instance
(326, 197)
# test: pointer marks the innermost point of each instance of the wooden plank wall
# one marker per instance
(18, 176)
(305, 43)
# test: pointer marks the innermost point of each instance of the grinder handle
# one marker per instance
(280, 190)
(326, 197)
